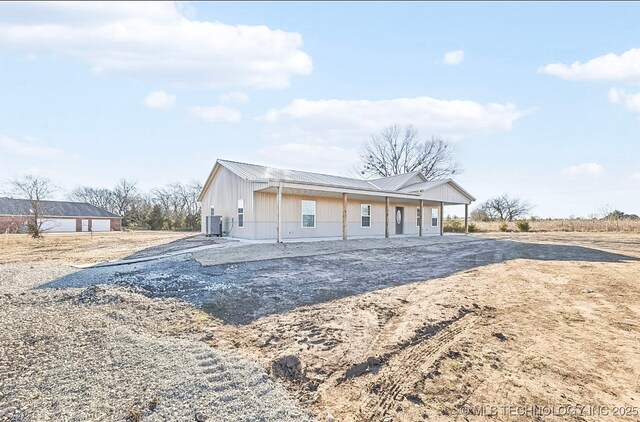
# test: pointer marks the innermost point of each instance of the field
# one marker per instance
(513, 325)
(81, 248)
(568, 225)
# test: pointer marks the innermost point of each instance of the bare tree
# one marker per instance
(397, 150)
(179, 204)
(125, 194)
(479, 214)
(100, 197)
(505, 208)
(35, 189)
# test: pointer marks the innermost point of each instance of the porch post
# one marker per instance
(344, 216)
(386, 216)
(421, 216)
(279, 222)
(466, 218)
(441, 218)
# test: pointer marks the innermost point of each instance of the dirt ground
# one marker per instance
(517, 339)
(520, 339)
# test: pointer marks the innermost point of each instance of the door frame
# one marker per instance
(399, 226)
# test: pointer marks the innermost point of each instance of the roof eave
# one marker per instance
(274, 183)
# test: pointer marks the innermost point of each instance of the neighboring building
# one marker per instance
(57, 216)
(258, 202)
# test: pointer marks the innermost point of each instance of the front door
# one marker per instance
(399, 219)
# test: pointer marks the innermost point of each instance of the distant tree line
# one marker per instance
(172, 207)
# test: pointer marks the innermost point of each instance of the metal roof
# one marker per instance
(425, 186)
(257, 173)
(13, 206)
(263, 174)
(393, 183)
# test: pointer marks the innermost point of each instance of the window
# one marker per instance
(365, 215)
(212, 214)
(240, 212)
(418, 216)
(434, 217)
(308, 214)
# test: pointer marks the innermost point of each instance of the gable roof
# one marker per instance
(425, 186)
(395, 182)
(14, 206)
(264, 174)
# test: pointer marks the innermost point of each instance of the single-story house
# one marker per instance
(259, 202)
(57, 216)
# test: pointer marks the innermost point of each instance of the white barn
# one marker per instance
(259, 202)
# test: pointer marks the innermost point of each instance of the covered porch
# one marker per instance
(393, 203)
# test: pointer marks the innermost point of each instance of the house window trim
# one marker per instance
(418, 216)
(362, 216)
(437, 218)
(302, 214)
(240, 202)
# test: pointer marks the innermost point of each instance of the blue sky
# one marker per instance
(541, 100)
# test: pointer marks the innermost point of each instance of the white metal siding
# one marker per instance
(100, 225)
(53, 225)
(223, 194)
(445, 193)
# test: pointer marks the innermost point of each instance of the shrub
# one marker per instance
(453, 226)
(457, 226)
(502, 226)
(522, 226)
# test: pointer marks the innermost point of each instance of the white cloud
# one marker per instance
(635, 177)
(160, 99)
(625, 66)
(587, 169)
(214, 114)
(615, 94)
(453, 57)
(155, 41)
(234, 98)
(354, 121)
(630, 101)
(29, 147)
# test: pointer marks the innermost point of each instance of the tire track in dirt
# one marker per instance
(409, 365)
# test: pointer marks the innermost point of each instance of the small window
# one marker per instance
(418, 216)
(308, 214)
(365, 215)
(434, 217)
(212, 214)
(240, 212)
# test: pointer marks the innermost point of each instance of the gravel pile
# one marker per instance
(19, 277)
(112, 354)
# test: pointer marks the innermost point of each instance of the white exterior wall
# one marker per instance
(329, 217)
(446, 193)
(428, 228)
(223, 194)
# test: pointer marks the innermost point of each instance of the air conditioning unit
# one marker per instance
(213, 225)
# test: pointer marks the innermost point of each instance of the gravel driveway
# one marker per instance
(243, 283)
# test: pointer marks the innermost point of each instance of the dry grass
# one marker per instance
(592, 226)
(80, 248)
